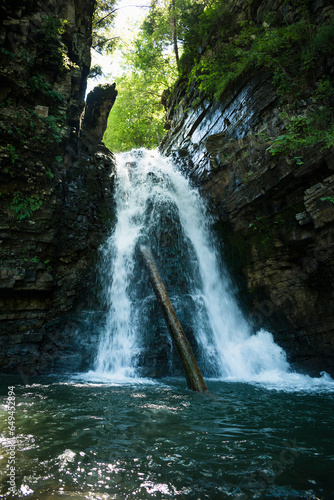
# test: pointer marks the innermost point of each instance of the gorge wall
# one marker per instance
(56, 182)
(274, 213)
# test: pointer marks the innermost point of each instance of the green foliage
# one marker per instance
(217, 53)
(7, 102)
(47, 263)
(248, 177)
(54, 126)
(187, 26)
(38, 84)
(36, 260)
(49, 43)
(24, 206)
(150, 67)
(104, 14)
(303, 131)
(214, 73)
(6, 52)
(322, 41)
(324, 91)
(136, 119)
(329, 137)
(95, 71)
(209, 57)
(204, 24)
(49, 174)
(164, 26)
(328, 198)
(12, 153)
(216, 50)
(28, 129)
(153, 51)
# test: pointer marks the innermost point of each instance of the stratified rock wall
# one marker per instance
(55, 187)
(274, 214)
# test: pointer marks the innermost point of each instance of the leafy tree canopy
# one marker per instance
(136, 119)
(149, 67)
(103, 20)
(203, 42)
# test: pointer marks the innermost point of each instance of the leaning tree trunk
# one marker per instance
(194, 377)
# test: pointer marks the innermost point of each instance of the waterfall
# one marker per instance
(157, 205)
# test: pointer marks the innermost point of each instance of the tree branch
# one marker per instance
(118, 8)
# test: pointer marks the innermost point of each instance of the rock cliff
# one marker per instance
(273, 200)
(56, 181)
(269, 184)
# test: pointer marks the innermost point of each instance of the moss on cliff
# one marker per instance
(290, 45)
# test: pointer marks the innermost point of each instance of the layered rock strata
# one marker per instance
(274, 213)
(56, 187)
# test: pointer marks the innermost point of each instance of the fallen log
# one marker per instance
(193, 375)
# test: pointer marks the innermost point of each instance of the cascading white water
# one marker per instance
(157, 205)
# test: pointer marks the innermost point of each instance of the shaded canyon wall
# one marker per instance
(274, 213)
(56, 181)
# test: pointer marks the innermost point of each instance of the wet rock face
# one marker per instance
(274, 213)
(56, 188)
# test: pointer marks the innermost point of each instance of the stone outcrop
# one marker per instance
(56, 187)
(99, 103)
(274, 213)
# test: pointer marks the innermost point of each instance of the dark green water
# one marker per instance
(99, 441)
